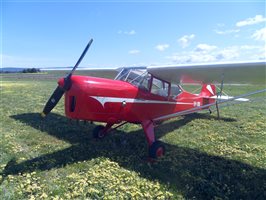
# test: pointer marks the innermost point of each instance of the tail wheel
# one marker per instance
(156, 150)
(98, 132)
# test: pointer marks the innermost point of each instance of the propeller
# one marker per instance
(60, 90)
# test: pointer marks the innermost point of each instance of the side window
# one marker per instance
(175, 91)
(145, 82)
(159, 87)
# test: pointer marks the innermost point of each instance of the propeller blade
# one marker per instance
(51, 103)
(81, 57)
(60, 90)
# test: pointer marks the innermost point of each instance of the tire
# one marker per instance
(156, 150)
(98, 132)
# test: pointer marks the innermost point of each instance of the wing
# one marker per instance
(234, 73)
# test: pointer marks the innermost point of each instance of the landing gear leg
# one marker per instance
(217, 108)
(219, 94)
(156, 148)
(101, 131)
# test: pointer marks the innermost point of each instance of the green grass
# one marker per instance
(53, 159)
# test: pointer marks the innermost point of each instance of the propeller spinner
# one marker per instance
(60, 90)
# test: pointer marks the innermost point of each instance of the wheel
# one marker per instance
(98, 132)
(156, 150)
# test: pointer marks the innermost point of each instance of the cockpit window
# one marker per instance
(160, 87)
(145, 81)
(138, 77)
(175, 91)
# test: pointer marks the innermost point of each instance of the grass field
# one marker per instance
(53, 158)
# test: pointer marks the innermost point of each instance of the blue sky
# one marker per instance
(54, 33)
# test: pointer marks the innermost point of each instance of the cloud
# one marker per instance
(205, 48)
(250, 21)
(229, 53)
(162, 47)
(260, 34)
(226, 32)
(191, 57)
(134, 51)
(131, 32)
(243, 53)
(221, 25)
(204, 53)
(186, 40)
(249, 47)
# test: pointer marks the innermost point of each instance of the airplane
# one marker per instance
(150, 95)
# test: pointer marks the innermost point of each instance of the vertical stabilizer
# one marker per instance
(208, 90)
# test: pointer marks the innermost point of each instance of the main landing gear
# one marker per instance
(100, 132)
(156, 148)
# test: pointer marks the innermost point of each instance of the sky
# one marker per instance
(46, 34)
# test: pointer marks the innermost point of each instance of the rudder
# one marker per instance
(208, 90)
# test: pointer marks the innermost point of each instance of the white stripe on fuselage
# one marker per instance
(104, 100)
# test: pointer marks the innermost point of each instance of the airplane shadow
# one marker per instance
(196, 174)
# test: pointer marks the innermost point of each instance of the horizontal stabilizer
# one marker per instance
(223, 97)
(195, 109)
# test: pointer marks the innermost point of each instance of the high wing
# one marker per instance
(233, 73)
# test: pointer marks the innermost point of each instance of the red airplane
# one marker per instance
(149, 95)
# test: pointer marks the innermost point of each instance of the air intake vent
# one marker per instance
(72, 103)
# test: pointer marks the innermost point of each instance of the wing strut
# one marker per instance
(219, 94)
(196, 109)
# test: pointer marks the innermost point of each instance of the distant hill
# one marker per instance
(19, 70)
(55, 68)
(11, 70)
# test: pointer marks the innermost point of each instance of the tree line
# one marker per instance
(31, 70)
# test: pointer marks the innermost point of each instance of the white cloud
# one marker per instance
(194, 58)
(242, 53)
(260, 34)
(205, 48)
(250, 21)
(229, 53)
(249, 47)
(186, 40)
(191, 57)
(162, 47)
(226, 32)
(205, 53)
(221, 25)
(134, 51)
(131, 32)
(201, 54)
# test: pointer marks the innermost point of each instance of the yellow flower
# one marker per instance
(44, 195)
(32, 197)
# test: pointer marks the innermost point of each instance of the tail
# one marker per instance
(208, 90)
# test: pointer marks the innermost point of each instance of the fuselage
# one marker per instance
(113, 101)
